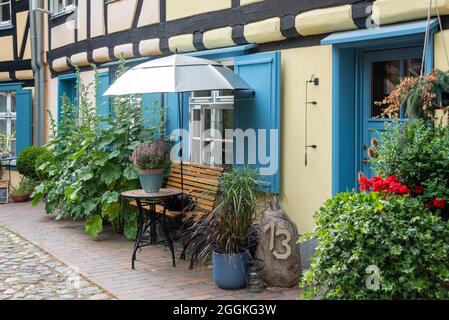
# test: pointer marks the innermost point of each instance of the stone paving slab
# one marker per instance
(28, 273)
(106, 261)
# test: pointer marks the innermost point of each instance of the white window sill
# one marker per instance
(63, 13)
(6, 26)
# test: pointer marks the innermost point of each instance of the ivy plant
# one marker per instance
(373, 246)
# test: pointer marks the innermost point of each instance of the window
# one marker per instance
(386, 75)
(62, 6)
(211, 114)
(5, 12)
(8, 117)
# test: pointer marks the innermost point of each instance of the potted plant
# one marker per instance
(22, 192)
(150, 159)
(229, 233)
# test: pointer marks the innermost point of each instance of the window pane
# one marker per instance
(13, 128)
(58, 6)
(412, 67)
(3, 127)
(228, 153)
(196, 123)
(217, 121)
(204, 93)
(13, 147)
(385, 77)
(3, 100)
(196, 151)
(13, 103)
(5, 11)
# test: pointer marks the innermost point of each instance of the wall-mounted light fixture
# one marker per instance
(316, 82)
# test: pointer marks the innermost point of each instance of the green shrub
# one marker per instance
(397, 234)
(417, 153)
(41, 164)
(26, 162)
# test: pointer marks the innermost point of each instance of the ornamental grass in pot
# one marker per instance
(150, 159)
(229, 234)
(22, 192)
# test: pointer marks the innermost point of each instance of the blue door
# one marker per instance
(381, 72)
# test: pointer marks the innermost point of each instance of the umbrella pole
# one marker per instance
(181, 117)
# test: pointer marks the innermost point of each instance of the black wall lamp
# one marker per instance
(316, 82)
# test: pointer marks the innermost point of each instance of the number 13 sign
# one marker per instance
(276, 233)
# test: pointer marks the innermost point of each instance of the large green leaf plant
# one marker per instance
(90, 166)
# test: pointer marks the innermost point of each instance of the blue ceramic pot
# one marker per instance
(230, 271)
(151, 180)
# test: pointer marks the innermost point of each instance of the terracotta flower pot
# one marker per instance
(20, 197)
(151, 180)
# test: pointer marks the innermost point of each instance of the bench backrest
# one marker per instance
(200, 181)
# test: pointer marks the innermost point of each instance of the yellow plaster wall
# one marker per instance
(21, 20)
(177, 9)
(51, 99)
(62, 35)
(391, 11)
(82, 20)
(439, 52)
(97, 23)
(150, 13)
(6, 48)
(120, 15)
(304, 189)
(247, 2)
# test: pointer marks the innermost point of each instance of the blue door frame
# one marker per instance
(370, 126)
(346, 95)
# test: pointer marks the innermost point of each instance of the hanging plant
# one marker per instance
(421, 95)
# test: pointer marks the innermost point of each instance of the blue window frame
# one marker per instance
(103, 102)
(67, 87)
(262, 71)
(23, 115)
(348, 49)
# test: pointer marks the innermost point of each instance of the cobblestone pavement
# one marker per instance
(28, 273)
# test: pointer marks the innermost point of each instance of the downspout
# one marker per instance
(41, 79)
(35, 68)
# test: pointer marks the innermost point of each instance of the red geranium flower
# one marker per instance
(440, 204)
(404, 189)
(365, 183)
(391, 179)
(395, 187)
(419, 190)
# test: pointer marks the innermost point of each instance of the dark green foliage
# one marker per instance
(408, 243)
(41, 162)
(417, 152)
(26, 162)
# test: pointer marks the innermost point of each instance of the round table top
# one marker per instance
(141, 194)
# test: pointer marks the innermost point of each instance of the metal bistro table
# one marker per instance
(148, 219)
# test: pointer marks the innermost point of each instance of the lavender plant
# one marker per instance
(150, 156)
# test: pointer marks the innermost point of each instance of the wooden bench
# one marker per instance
(201, 182)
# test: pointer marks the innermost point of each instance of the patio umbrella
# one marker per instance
(177, 74)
